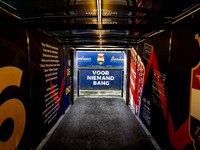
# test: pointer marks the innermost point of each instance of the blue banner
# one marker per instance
(100, 79)
(100, 58)
(68, 66)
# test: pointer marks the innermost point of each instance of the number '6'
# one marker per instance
(12, 108)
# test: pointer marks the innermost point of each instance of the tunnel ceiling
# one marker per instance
(100, 23)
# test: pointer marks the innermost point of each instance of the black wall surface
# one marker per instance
(14, 84)
(185, 56)
(151, 112)
(34, 78)
(167, 113)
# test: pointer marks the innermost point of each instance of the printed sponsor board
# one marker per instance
(151, 94)
(100, 79)
(47, 83)
(100, 58)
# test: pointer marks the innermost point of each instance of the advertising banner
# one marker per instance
(140, 82)
(68, 65)
(47, 83)
(137, 71)
(100, 58)
(100, 79)
(132, 84)
(151, 94)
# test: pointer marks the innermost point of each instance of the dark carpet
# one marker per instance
(99, 124)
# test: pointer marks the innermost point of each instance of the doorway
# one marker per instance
(101, 73)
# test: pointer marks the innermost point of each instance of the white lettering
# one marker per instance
(100, 82)
(100, 72)
(94, 72)
(103, 78)
(100, 78)
(89, 77)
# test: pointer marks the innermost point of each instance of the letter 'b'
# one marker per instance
(12, 108)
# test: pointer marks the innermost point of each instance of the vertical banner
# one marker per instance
(68, 80)
(14, 86)
(140, 81)
(47, 83)
(137, 72)
(132, 84)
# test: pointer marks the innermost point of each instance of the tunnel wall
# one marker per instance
(35, 84)
(154, 54)
(14, 84)
(169, 103)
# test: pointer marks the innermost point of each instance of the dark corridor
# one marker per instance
(146, 53)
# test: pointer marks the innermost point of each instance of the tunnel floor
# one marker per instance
(99, 124)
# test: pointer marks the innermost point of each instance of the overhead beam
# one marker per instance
(59, 17)
(85, 36)
(113, 7)
(104, 40)
(96, 43)
(64, 26)
(150, 18)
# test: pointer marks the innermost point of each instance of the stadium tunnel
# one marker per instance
(99, 74)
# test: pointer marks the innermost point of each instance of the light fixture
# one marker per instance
(8, 5)
(99, 20)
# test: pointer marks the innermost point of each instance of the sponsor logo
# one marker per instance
(194, 106)
(117, 59)
(100, 59)
(194, 118)
(84, 59)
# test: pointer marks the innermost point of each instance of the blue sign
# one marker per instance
(100, 58)
(100, 79)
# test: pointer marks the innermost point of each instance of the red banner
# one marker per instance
(132, 78)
